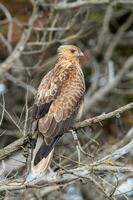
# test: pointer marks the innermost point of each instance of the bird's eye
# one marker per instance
(72, 50)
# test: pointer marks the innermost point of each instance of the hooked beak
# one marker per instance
(80, 54)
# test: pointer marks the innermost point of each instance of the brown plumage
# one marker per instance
(56, 104)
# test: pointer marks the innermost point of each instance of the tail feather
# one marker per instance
(43, 165)
(42, 153)
(40, 160)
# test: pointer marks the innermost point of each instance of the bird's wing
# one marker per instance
(59, 118)
(47, 92)
(63, 109)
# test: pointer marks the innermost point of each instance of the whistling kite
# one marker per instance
(56, 105)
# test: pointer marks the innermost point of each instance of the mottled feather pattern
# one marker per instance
(58, 99)
(71, 93)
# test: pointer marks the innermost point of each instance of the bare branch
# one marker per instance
(117, 38)
(8, 150)
(11, 148)
(64, 5)
(98, 119)
(118, 153)
(8, 63)
(64, 177)
(111, 85)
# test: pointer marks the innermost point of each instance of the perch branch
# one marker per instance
(15, 146)
(100, 118)
(64, 177)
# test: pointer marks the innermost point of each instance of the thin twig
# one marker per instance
(98, 95)
(100, 118)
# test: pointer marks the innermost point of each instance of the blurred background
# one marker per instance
(30, 33)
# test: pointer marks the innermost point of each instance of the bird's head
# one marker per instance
(70, 52)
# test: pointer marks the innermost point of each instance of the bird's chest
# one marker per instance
(73, 85)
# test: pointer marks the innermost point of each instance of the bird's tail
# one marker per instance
(41, 156)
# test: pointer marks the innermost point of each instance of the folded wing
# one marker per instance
(56, 105)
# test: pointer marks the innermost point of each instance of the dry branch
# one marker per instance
(118, 153)
(64, 177)
(15, 146)
(98, 95)
(68, 175)
(117, 38)
(64, 5)
(99, 119)
(16, 53)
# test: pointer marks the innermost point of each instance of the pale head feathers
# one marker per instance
(70, 52)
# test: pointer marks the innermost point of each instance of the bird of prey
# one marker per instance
(56, 105)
